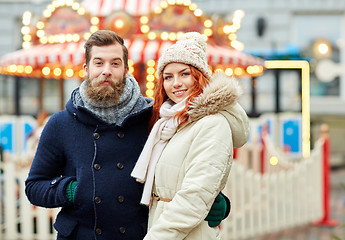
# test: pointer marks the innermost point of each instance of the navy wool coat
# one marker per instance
(76, 145)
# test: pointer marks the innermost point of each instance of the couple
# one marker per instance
(93, 157)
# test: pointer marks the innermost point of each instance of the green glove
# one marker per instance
(217, 212)
(70, 190)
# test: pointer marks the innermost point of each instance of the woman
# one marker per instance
(196, 123)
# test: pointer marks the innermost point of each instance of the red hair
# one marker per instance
(200, 82)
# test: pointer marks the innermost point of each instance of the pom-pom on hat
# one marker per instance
(189, 49)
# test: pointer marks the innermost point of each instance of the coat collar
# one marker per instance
(219, 94)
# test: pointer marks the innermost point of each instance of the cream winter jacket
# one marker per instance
(195, 164)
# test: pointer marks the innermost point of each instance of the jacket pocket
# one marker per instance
(65, 225)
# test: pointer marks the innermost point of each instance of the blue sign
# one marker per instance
(6, 137)
(291, 135)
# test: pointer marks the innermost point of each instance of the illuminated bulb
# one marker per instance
(151, 63)
(150, 78)
(149, 93)
(152, 35)
(69, 72)
(145, 29)
(164, 35)
(208, 23)
(150, 85)
(193, 7)
(47, 13)
(40, 25)
(81, 11)
(69, 2)
(172, 36)
(150, 70)
(25, 30)
(26, 18)
(238, 71)
(144, 20)
(26, 45)
(198, 12)
(95, 20)
(75, 6)
(119, 23)
(187, 2)
(28, 69)
(46, 71)
(273, 160)
(208, 32)
(323, 48)
(229, 71)
(57, 71)
(81, 73)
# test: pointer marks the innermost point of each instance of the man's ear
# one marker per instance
(85, 69)
(127, 69)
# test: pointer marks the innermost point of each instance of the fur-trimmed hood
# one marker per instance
(221, 96)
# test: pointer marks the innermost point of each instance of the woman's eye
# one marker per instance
(167, 78)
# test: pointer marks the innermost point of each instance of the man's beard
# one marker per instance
(100, 93)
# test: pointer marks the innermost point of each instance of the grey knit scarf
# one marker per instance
(112, 112)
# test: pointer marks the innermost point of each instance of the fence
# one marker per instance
(287, 194)
(19, 219)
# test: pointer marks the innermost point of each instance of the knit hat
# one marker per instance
(191, 50)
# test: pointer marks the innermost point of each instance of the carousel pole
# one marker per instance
(326, 219)
(61, 93)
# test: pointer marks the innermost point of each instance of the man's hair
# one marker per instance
(104, 38)
(200, 82)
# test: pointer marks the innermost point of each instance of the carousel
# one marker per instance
(53, 44)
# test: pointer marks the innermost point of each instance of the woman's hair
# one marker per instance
(200, 82)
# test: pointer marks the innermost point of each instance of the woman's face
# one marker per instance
(177, 81)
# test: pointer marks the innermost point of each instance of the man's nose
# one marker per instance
(106, 71)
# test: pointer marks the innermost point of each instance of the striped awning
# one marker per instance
(105, 7)
(138, 50)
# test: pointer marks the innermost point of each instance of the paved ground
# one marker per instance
(310, 232)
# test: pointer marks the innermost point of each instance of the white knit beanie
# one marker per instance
(189, 49)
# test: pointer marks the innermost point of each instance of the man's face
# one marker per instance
(105, 73)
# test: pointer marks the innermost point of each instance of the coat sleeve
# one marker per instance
(209, 161)
(46, 185)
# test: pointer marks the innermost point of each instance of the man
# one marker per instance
(87, 152)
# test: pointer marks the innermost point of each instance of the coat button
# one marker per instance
(98, 200)
(96, 136)
(97, 166)
(120, 199)
(119, 165)
(53, 181)
(75, 116)
(121, 134)
(122, 230)
(98, 231)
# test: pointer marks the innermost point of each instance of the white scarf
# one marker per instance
(162, 131)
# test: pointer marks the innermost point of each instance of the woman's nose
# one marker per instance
(177, 82)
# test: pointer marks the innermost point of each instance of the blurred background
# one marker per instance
(289, 56)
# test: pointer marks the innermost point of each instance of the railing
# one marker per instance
(288, 193)
(19, 219)
(268, 194)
